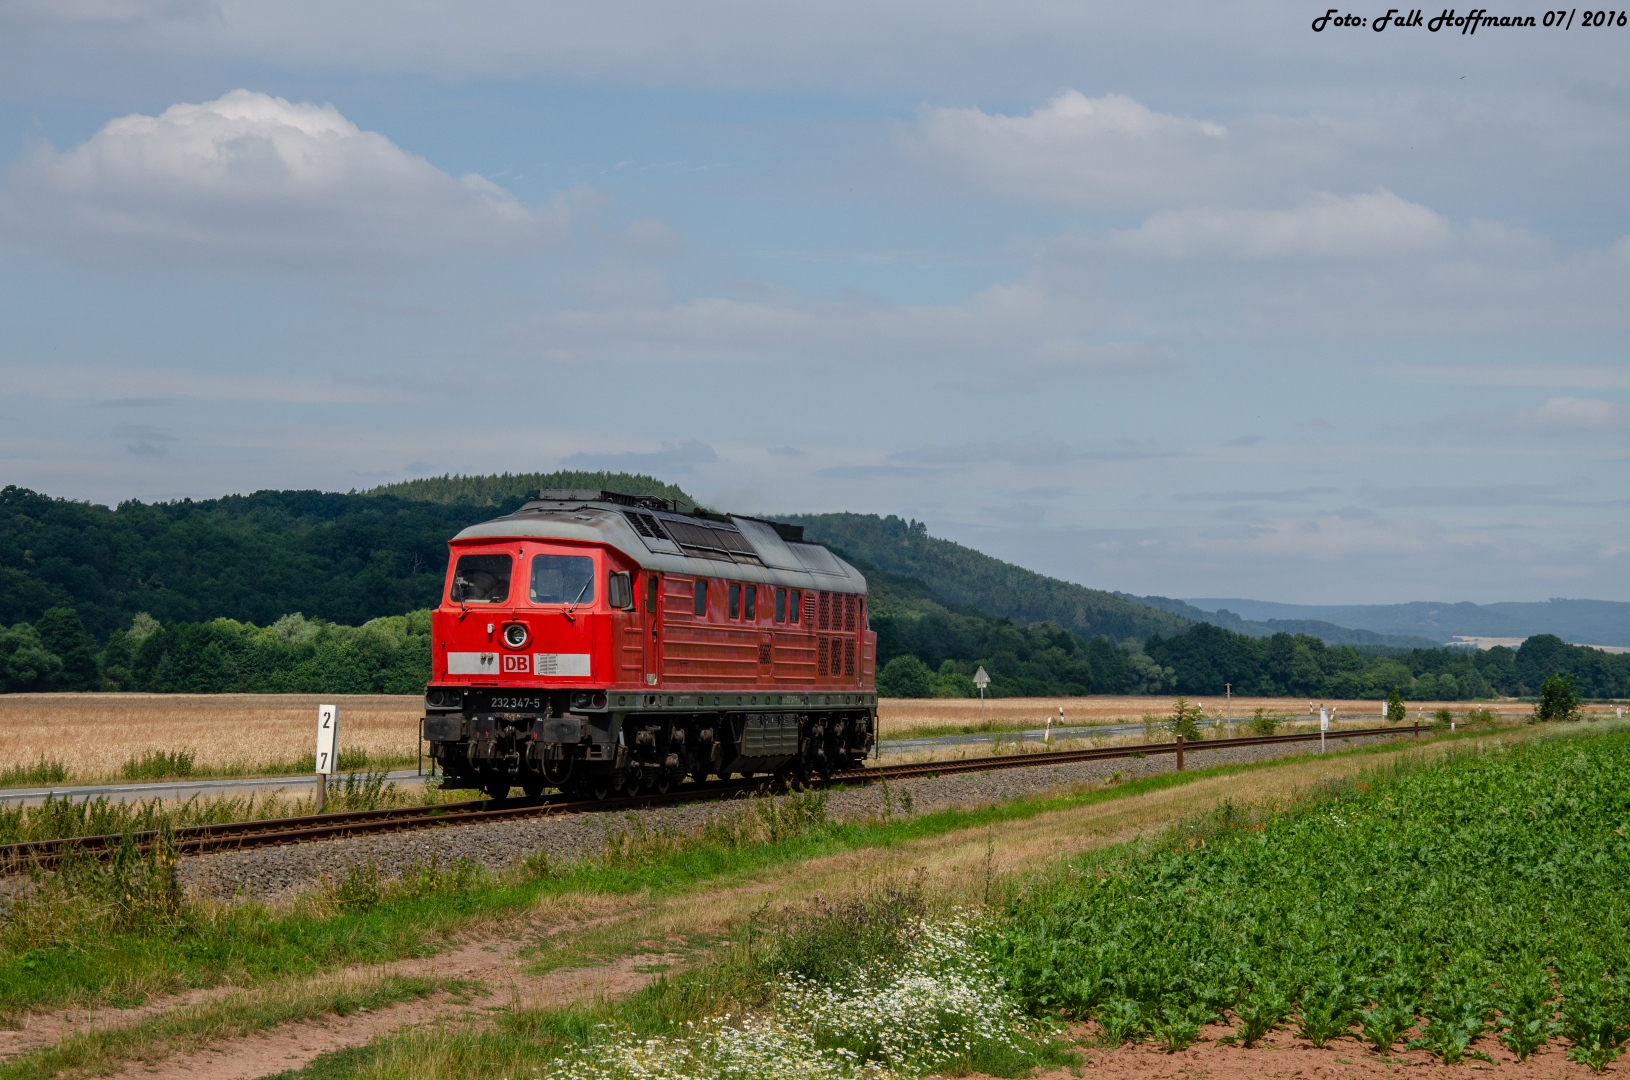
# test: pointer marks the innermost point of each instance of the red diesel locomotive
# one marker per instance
(606, 645)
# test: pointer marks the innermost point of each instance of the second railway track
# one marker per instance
(274, 832)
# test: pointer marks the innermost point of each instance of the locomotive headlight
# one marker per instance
(580, 701)
(515, 635)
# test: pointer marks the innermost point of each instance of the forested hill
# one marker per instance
(343, 558)
(966, 580)
(492, 490)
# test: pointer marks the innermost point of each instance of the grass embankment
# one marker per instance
(57, 818)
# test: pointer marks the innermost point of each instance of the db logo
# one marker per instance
(516, 663)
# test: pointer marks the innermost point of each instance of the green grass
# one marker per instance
(62, 817)
(159, 765)
(1496, 870)
(40, 774)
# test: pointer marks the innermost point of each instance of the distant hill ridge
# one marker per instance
(1585, 622)
(1331, 633)
(970, 581)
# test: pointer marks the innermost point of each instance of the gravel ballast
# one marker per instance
(273, 873)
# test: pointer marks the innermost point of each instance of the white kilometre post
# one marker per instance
(981, 680)
(1324, 726)
(328, 729)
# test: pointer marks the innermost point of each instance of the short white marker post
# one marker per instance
(1324, 726)
(328, 727)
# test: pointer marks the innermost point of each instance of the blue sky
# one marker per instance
(1188, 300)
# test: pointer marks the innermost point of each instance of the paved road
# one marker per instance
(262, 786)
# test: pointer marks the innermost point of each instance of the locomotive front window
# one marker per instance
(481, 579)
(562, 579)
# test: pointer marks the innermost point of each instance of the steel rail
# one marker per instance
(271, 832)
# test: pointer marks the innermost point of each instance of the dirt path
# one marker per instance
(493, 964)
(500, 978)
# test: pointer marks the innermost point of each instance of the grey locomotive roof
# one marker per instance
(710, 545)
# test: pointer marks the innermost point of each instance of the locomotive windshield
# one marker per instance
(481, 579)
(562, 579)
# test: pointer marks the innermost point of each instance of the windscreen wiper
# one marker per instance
(573, 605)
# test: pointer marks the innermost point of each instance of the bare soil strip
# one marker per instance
(1284, 1056)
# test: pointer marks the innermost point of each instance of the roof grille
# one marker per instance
(644, 524)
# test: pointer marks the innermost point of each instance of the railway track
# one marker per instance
(273, 832)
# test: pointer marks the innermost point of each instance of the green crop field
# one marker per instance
(1485, 895)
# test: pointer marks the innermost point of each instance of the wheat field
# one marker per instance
(94, 735)
(900, 718)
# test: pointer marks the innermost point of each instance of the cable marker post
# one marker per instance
(328, 725)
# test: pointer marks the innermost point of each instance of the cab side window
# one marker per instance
(699, 606)
(751, 605)
(780, 605)
(797, 606)
(735, 600)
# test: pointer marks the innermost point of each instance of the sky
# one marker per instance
(1188, 299)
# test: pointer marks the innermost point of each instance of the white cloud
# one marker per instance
(1115, 152)
(650, 238)
(253, 178)
(1109, 150)
(1326, 226)
(1570, 415)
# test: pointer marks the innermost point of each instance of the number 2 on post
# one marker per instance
(327, 732)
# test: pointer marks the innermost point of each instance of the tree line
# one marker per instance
(921, 653)
(294, 654)
(933, 654)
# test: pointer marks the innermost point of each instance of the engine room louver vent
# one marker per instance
(644, 524)
(711, 541)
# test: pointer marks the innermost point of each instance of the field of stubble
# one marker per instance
(95, 735)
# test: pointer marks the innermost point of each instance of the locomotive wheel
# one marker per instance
(532, 784)
(598, 790)
(496, 789)
(660, 783)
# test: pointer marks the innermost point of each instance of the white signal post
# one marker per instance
(328, 729)
(981, 680)
(1324, 726)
